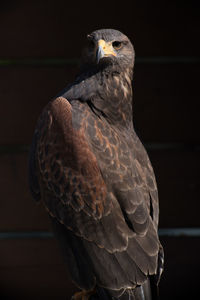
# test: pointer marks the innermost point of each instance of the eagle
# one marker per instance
(94, 177)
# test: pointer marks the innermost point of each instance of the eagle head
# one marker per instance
(109, 47)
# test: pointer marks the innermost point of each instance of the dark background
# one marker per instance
(40, 43)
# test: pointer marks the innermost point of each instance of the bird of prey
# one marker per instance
(94, 177)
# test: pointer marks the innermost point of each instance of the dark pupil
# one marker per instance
(116, 44)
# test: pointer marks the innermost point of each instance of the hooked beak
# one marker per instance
(104, 50)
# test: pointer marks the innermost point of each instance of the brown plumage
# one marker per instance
(94, 176)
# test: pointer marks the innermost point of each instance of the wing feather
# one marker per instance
(69, 169)
(99, 184)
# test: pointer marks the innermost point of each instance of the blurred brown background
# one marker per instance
(40, 43)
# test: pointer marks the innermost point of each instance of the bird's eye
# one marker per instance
(90, 41)
(117, 45)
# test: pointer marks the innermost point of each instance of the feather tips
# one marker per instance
(94, 185)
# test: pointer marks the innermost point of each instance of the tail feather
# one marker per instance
(143, 292)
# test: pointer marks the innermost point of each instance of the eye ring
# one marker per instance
(117, 45)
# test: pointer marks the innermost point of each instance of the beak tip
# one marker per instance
(99, 54)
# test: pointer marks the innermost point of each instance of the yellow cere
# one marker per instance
(107, 48)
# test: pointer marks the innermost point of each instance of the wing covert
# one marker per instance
(67, 166)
